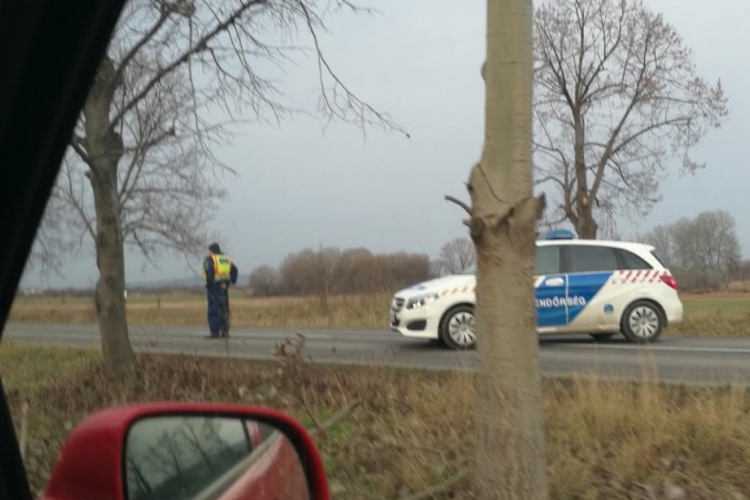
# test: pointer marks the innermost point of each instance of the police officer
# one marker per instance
(219, 273)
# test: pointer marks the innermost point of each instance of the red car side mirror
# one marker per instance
(180, 451)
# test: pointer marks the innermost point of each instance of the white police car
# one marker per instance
(593, 287)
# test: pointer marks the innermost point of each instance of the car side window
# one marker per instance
(632, 261)
(547, 260)
(591, 258)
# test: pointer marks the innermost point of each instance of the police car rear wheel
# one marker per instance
(458, 330)
(642, 322)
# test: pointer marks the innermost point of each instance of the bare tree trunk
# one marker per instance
(105, 148)
(119, 358)
(324, 297)
(510, 461)
(586, 227)
(585, 224)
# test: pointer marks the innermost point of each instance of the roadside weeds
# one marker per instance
(398, 434)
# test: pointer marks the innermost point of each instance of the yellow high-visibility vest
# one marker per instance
(222, 268)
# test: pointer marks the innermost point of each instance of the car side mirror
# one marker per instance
(181, 451)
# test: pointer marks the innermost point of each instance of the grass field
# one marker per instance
(726, 314)
(414, 429)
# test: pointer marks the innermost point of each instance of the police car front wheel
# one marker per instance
(457, 329)
(642, 322)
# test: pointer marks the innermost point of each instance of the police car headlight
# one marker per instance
(422, 300)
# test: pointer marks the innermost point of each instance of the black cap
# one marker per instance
(214, 248)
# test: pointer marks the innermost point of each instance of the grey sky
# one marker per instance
(300, 185)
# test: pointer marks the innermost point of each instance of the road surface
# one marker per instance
(673, 359)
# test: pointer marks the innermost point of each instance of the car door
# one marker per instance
(550, 285)
(591, 304)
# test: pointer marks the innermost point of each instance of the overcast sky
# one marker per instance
(299, 185)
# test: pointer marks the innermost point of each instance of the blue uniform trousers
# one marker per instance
(218, 309)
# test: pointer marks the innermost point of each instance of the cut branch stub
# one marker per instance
(478, 225)
(541, 205)
(525, 207)
(477, 228)
(506, 216)
(458, 202)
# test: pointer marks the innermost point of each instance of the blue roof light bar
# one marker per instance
(560, 234)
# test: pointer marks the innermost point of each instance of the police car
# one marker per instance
(594, 287)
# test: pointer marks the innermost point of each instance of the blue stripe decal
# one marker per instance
(582, 288)
(550, 301)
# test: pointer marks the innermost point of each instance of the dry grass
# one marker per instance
(606, 440)
(739, 286)
(18, 365)
(344, 311)
(718, 314)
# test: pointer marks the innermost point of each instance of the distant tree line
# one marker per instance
(333, 271)
(703, 253)
(88, 292)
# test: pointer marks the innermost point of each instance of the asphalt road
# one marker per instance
(673, 359)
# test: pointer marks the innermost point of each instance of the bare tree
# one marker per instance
(141, 170)
(311, 272)
(703, 252)
(358, 272)
(457, 255)
(660, 237)
(616, 96)
(264, 280)
(511, 448)
(351, 271)
(707, 247)
(326, 265)
(743, 273)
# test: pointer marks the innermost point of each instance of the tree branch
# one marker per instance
(77, 144)
(76, 204)
(607, 52)
(201, 45)
(616, 132)
(460, 203)
(139, 152)
(163, 16)
(352, 101)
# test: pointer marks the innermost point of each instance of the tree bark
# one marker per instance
(119, 359)
(510, 461)
(586, 226)
(104, 149)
